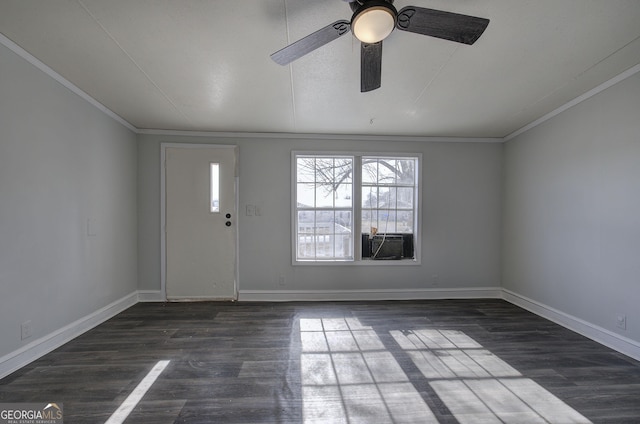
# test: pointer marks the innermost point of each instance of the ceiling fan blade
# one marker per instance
(370, 66)
(440, 24)
(311, 42)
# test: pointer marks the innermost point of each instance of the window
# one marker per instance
(215, 188)
(355, 208)
(324, 208)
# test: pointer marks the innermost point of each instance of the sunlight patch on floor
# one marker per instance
(349, 375)
(121, 414)
(476, 385)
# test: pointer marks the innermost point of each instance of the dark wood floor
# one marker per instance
(454, 361)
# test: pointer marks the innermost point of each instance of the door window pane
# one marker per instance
(215, 188)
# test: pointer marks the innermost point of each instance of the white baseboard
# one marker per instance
(381, 294)
(34, 350)
(601, 335)
(200, 299)
(37, 348)
(151, 296)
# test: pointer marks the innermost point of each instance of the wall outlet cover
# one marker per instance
(26, 330)
(621, 321)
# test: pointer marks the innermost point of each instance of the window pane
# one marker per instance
(405, 198)
(343, 170)
(306, 170)
(343, 195)
(306, 222)
(387, 198)
(369, 170)
(369, 220)
(306, 195)
(343, 223)
(405, 222)
(407, 172)
(324, 196)
(369, 197)
(342, 246)
(383, 197)
(387, 171)
(386, 221)
(324, 170)
(306, 246)
(324, 243)
(324, 222)
(215, 188)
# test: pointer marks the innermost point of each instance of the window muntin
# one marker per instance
(342, 201)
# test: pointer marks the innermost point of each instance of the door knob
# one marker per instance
(228, 215)
(228, 223)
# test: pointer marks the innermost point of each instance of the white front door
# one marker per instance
(200, 222)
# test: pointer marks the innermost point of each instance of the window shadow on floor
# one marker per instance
(351, 373)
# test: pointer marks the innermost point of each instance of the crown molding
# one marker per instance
(64, 82)
(618, 78)
(309, 136)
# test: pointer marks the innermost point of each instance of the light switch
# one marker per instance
(250, 210)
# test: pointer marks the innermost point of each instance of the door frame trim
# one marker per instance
(163, 211)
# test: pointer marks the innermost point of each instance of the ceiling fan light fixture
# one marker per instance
(372, 23)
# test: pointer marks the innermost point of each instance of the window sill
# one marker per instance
(362, 262)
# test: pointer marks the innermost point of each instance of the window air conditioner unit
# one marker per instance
(386, 247)
(394, 246)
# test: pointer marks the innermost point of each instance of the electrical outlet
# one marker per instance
(281, 280)
(435, 280)
(621, 321)
(26, 330)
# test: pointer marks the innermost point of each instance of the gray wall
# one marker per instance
(461, 194)
(572, 210)
(62, 162)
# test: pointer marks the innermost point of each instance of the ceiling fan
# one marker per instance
(373, 21)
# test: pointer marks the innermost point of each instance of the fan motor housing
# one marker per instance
(358, 4)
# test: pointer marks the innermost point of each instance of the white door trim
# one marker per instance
(163, 209)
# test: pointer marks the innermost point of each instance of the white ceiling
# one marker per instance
(204, 65)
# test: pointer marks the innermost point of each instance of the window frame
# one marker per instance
(356, 209)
